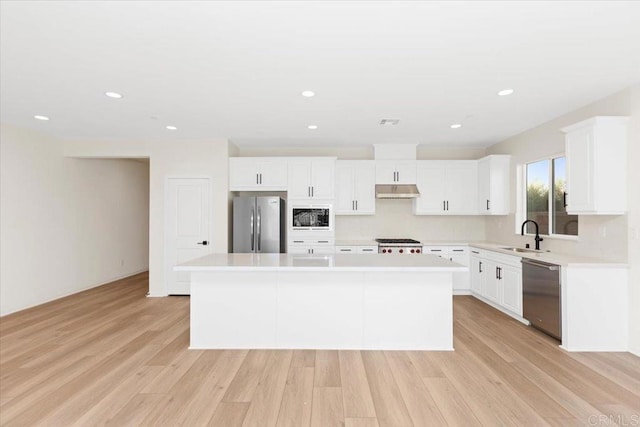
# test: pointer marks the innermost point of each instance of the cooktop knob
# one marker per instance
(390, 251)
(413, 251)
(401, 251)
(417, 251)
(384, 251)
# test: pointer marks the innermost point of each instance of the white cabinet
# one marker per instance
(310, 245)
(475, 272)
(459, 254)
(497, 279)
(511, 287)
(356, 249)
(311, 178)
(257, 174)
(355, 187)
(596, 151)
(395, 172)
(446, 187)
(493, 185)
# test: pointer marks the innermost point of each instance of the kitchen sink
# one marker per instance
(521, 250)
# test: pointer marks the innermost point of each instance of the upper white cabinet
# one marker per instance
(395, 172)
(493, 185)
(257, 174)
(447, 187)
(596, 151)
(311, 178)
(355, 187)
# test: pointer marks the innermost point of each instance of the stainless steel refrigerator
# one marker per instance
(259, 225)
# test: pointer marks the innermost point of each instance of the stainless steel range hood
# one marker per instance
(397, 191)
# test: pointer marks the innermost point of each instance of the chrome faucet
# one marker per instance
(538, 239)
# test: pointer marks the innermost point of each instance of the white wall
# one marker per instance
(620, 242)
(171, 158)
(634, 222)
(546, 140)
(67, 224)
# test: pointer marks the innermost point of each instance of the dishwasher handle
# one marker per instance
(552, 267)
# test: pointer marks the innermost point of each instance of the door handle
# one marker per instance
(259, 230)
(204, 243)
(564, 198)
(252, 228)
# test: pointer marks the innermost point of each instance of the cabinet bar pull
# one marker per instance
(298, 241)
(480, 266)
(444, 205)
(323, 241)
(476, 252)
(257, 181)
(564, 198)
(356, 205)
(447, 205)
(458, 250)
(260, 178)
(487, 204)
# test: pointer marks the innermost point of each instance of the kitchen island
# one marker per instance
(341, 301)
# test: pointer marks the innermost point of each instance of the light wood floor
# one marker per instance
(111, 356)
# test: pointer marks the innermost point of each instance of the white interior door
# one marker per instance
(187, 228)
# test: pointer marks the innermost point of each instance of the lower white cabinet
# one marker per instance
(311, 246)
(497, 279)
(459, 254)
(356, 249)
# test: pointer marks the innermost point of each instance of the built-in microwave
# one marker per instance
(311, 217)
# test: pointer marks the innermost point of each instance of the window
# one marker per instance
(545, 201)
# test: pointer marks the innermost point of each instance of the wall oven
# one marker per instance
(311, 218)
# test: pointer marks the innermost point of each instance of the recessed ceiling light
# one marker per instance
(312, 127)
(308, 93)
(172, 128)
(115, 95)
(505, 92)
(456, 126)
(45, 118)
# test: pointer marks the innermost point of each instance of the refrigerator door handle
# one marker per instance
(259, 230)
(252, 228)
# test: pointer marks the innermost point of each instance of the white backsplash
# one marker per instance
(395, 218)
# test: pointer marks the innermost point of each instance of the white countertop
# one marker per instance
(337, 262)
(565, 260)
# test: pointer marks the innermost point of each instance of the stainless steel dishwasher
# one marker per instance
(541, 296)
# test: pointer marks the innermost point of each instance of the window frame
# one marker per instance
(521, 198)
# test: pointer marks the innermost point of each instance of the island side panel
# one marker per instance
(233, 310)
(408, 311)
(595, 309)
(320, 310)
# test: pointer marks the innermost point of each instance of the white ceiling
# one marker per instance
(236, 69)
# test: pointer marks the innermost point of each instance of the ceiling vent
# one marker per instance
(389, 122)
